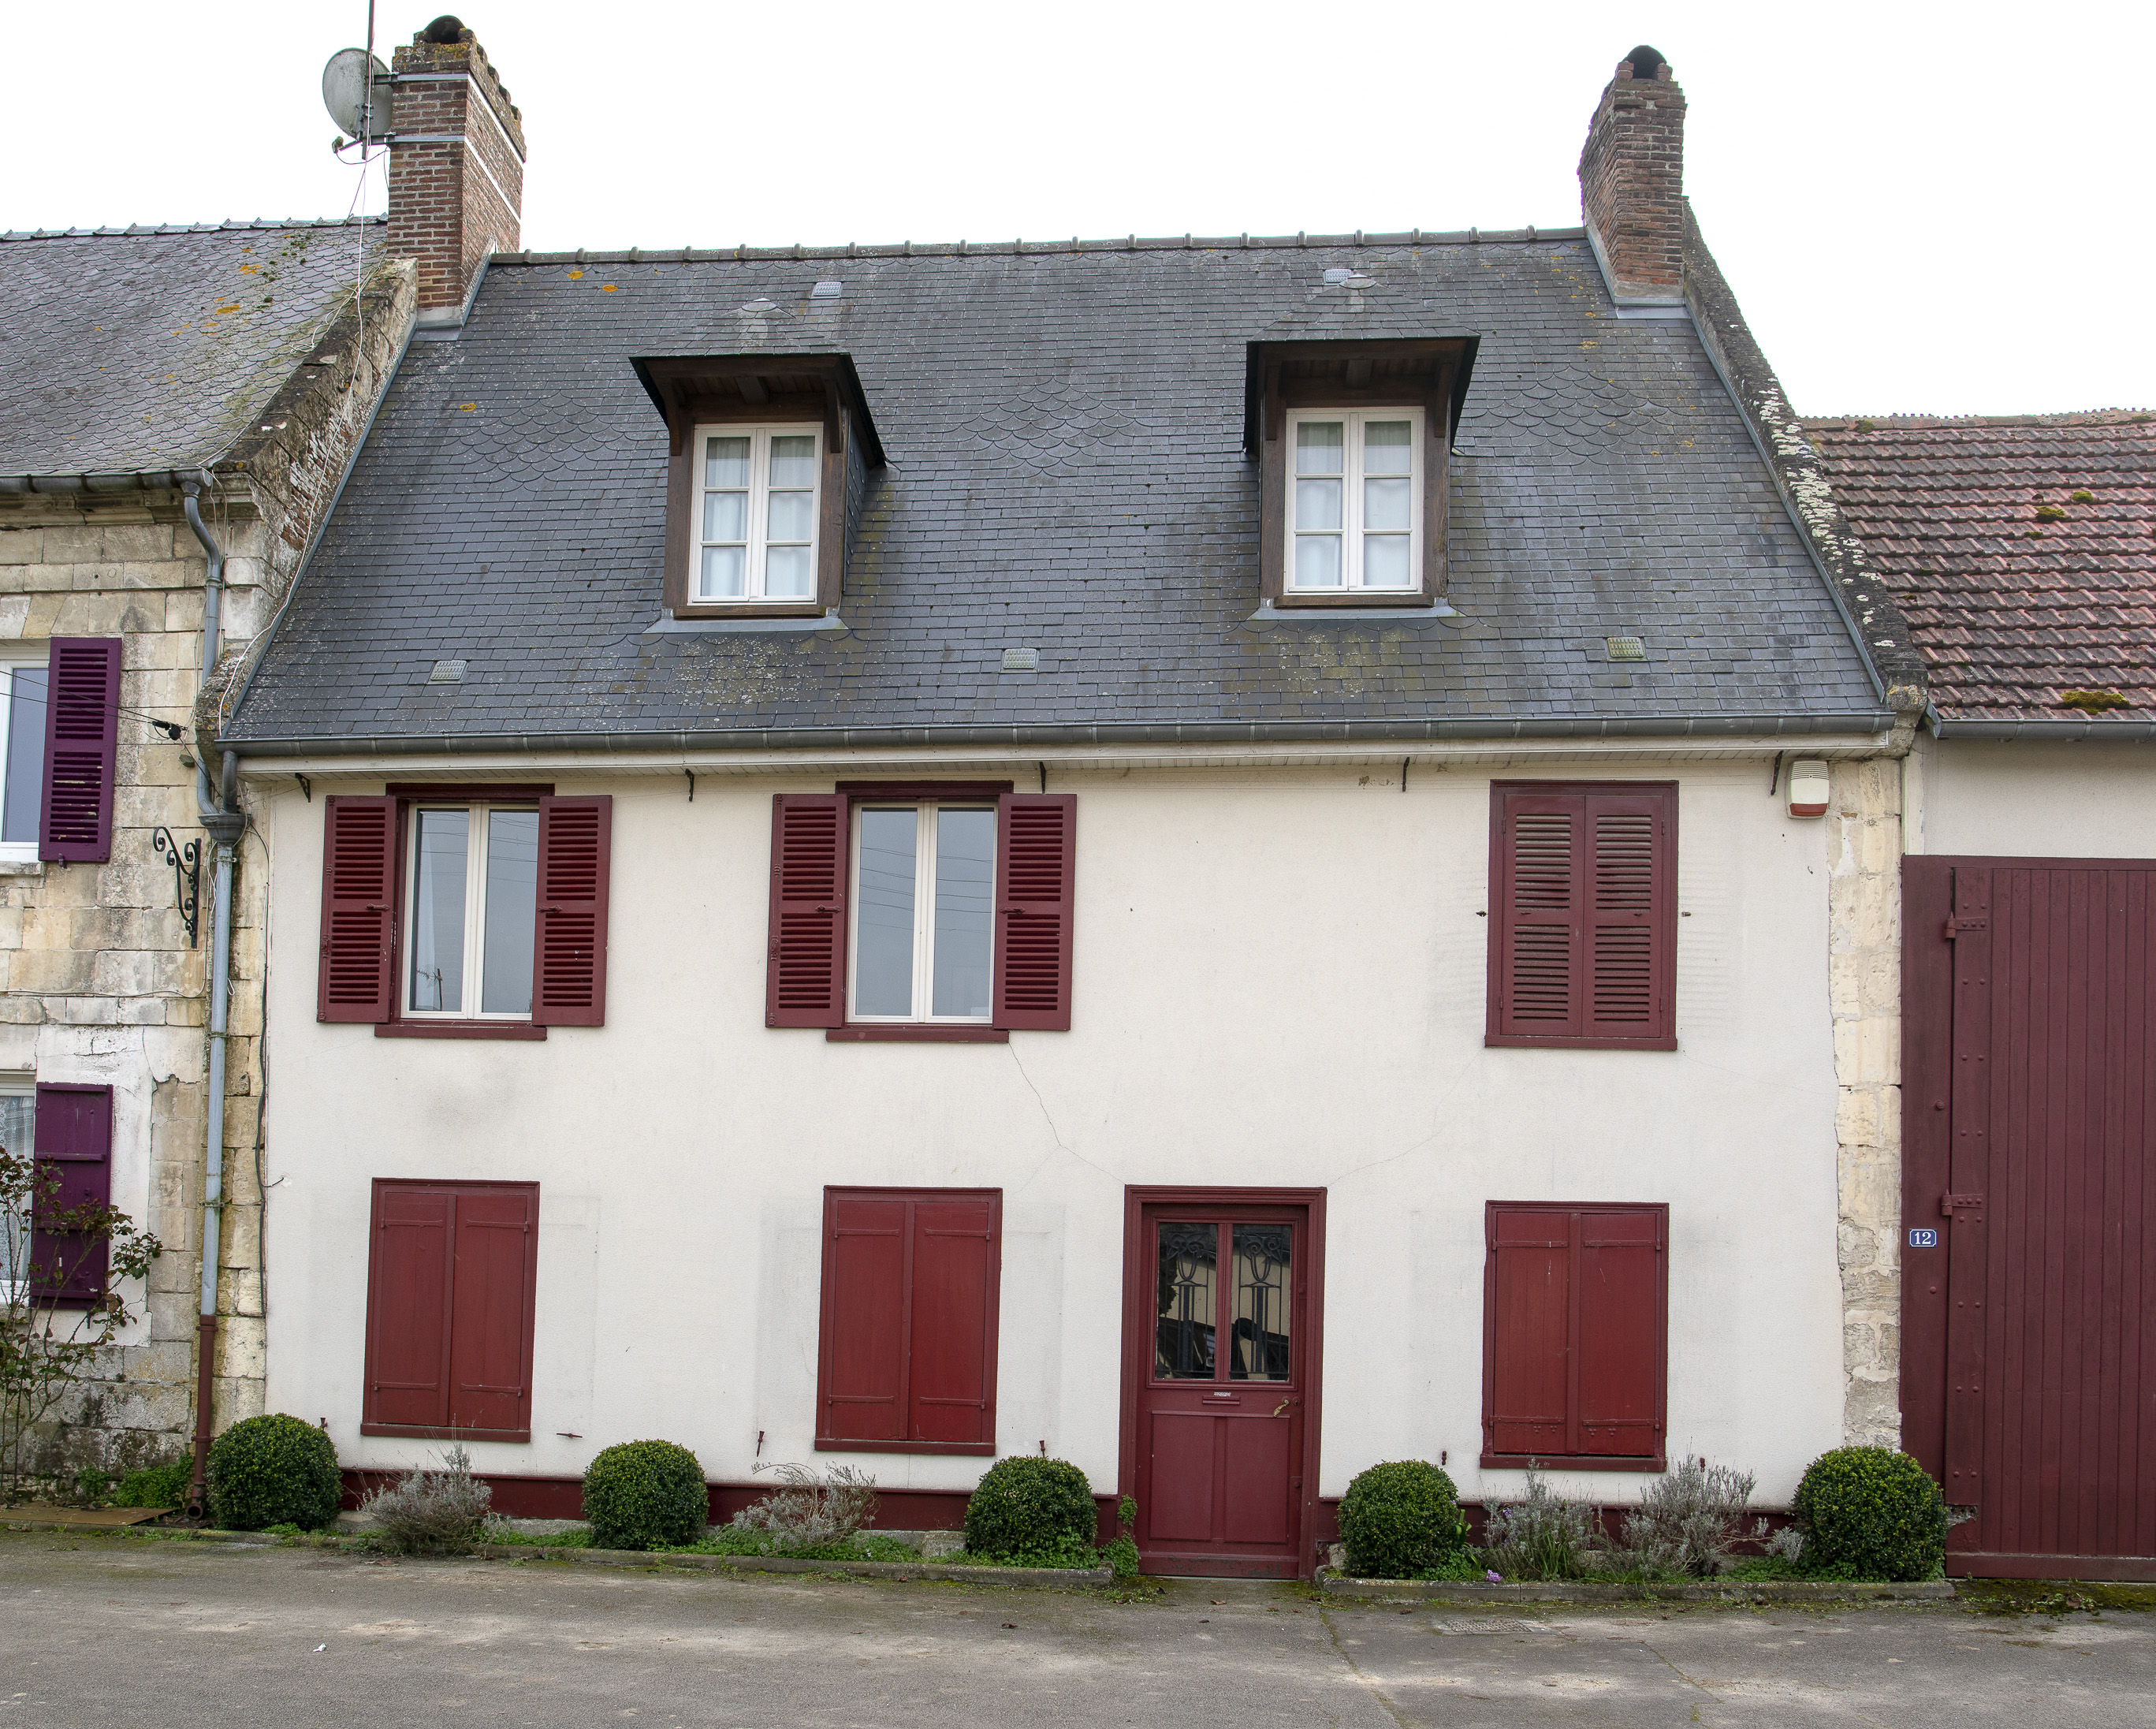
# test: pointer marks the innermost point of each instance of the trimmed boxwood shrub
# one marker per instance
(1870, 1513)
(1400, 1520)
(644, 1495)
(273, 1470)
(1031, 1506)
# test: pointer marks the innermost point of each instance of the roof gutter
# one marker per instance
(2049, 731)
(1866, 721)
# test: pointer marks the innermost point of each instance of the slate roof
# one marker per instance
(2011, 609)
(1064, 425)
(131, 351)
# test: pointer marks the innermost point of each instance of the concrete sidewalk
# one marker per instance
(100, 1632)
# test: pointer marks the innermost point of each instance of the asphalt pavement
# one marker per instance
(98, 1633)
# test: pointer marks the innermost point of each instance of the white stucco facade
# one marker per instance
(1279, 981)
(2021, 799)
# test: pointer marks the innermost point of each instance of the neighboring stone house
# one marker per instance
(2022, 552)
(929, 850)
(140, 368)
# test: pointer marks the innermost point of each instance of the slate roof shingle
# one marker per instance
(134, 351)
(2010, 608)
(1064, 426)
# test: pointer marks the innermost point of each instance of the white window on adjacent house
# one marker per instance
(923, 944)
(1355, 501)
(22, 753)
(756, 496)
(19, 1123)
(472, 888)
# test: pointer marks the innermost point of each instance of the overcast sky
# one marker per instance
(1924, 208)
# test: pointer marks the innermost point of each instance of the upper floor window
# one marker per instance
(1355, 509)
(757, 491)
(924, 926)
(1352, 441)
(474, 892)
(22, 755)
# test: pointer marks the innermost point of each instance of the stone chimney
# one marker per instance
(1631, 180)
(456, 165)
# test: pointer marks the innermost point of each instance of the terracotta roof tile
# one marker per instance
(2023, 551)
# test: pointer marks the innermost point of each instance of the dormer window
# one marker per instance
(769, 457)
(1352, 441)
(1355, 511)
(757, 489)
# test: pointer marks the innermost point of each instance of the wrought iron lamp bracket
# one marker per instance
(186, 873)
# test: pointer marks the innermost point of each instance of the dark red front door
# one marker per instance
(1220, 1302)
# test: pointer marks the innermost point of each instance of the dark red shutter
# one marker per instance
(1036, 883)
(452, 1280)
(1575, 1331)
(1583, 937)
(1528, 1293)
(863, 1360)
(1621, 1333)
(953, 1313)
(493, 1245)
(407, 1307)
(82, 738)
(357, 981)
(568, 952)
(74, 1149)
(805, 974)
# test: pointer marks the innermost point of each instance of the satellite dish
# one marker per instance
(344, 82)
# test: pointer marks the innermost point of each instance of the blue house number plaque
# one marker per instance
(1921, 1237)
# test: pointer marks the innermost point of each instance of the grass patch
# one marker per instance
(862, 1545)
(534, 1540)
(2052, 1596)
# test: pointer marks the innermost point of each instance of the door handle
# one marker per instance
(1283, 1405)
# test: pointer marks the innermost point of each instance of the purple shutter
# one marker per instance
(73, 1150)
(805, 974)
(82, 737)
(1036, 889)
(569, 950)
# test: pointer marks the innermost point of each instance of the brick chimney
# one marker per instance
(456, 165)
(1631, 180)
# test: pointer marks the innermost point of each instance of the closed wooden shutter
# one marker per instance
(805, 971)
(953, 1319)
(1575, 1332)
(1526, 1368)
(82, 741)
(407, 1309)
(569, 947)
(493, 1249)
(451, 1299)
(1036, 872)
(907, 1357)
(74, 1152)
(863, 1358)
(357, 977)
(1583, 927)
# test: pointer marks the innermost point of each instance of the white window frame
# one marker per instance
(477, 834)
(1351, 516)
(924, 916)
(18, 1084)
(14, 852)
(759, 434)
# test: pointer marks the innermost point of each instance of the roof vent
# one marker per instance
(1626, 647)
(761, 303)
(827, 291)
(447, 672)
(1021, 660)
(1337, 277)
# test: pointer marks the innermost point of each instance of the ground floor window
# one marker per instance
(906, 1361)
(451, 1280)
(1575, 1302)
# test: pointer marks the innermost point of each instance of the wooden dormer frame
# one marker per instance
(704, 390)
(1429, 373)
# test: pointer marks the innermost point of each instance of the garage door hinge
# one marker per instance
(1949, 1204)
(1956, 926)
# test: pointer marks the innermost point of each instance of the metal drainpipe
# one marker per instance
(225, 822)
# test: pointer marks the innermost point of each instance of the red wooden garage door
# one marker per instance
(2028, 1367)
